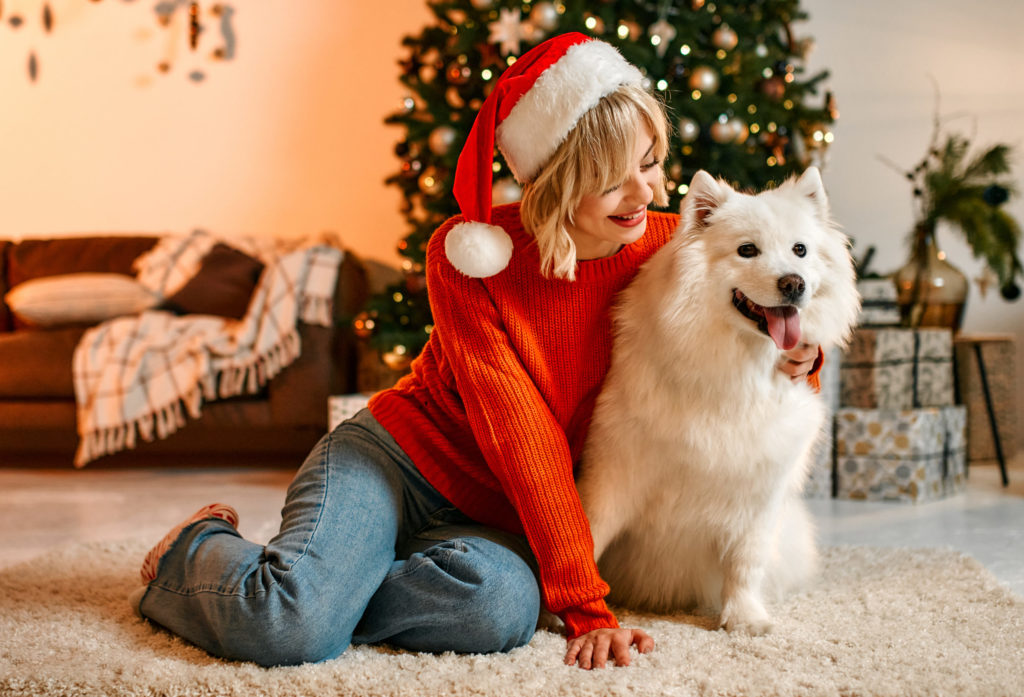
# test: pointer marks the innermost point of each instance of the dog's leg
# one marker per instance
(743, 572)
(608, 505)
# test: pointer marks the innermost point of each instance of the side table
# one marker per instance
(986, 382)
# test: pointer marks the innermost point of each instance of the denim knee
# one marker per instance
(504, 599)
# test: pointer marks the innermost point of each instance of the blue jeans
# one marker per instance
(368, 552)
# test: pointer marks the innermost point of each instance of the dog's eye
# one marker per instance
(799, 249)
(748, 250)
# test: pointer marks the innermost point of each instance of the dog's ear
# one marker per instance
(703, 198)
(809, 185)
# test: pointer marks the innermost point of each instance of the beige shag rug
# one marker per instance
(878, 622)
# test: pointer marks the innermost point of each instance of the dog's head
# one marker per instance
(778, 262)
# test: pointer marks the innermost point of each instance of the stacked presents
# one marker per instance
(897, 433)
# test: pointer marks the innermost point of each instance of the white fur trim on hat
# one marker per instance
(477, 249)
(572, 86)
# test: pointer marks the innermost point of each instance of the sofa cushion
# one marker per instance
(78, 298)
(223, 285)
(36, 363)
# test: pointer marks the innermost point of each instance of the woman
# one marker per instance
(440, 517)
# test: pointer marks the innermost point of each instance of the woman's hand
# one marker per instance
(591, 650)
(797, 362)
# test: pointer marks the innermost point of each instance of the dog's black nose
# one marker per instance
(792, 287)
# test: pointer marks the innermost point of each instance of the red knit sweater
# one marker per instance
(495, 410)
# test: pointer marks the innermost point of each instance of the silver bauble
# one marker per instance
(441, 140)
(505, 190)
(689, 129)
(704, 79)
(544, 15)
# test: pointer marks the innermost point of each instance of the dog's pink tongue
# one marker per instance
(783, 326)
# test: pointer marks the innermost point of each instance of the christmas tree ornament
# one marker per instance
(1010, 291)
(689, 130)
(507, 31)
(482, 4)
(505, 190)
(628, 29)
(774, 88)
(363, 325)
(740, 130)
(441, 140)
(722, 131)
(696, 4)
(454, 98)
(594, 23)
(554, 84)
(431, 182)
(427, 73)
(724, 38)
(704, 78)
(398, 358)
(457, 72)
(662, 33)
(544, 16)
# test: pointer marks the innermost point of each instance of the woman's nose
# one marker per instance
(638, 188)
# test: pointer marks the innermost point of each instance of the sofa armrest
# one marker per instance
(6, 322)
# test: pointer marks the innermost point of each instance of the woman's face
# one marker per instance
(604, 222)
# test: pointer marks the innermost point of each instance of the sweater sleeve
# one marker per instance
(521, 441)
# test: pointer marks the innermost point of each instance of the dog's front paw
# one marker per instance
(746, 617)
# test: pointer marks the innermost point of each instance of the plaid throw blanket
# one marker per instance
(138, 376)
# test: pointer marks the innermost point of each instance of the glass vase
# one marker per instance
(930, 291)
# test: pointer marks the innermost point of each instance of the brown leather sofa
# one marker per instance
(276, 427)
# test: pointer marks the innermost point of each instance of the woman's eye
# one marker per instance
(650, 165)
(611, 190)
(748, 250)
(799, 250)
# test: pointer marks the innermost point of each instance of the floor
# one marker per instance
(43, 509)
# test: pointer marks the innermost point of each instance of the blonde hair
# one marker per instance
(593, 158)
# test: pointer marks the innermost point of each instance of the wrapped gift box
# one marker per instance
(345, 406)
(908, 455)
(999, 354)
(819, 478)
(897, 368)
(878, 306)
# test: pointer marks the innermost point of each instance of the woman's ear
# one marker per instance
(702, 199)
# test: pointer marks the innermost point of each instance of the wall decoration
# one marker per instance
(175, 16)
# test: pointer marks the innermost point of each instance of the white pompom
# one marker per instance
(477, 249)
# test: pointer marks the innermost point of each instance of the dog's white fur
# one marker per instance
(699, 446)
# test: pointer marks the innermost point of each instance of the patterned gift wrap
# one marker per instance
(878, 303)
(909, 455)
(819, 477)
(999, 354)
(898, 369)
(344, 406)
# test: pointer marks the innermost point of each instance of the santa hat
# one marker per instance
(534, 105)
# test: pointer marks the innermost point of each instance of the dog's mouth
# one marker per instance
(781, 323)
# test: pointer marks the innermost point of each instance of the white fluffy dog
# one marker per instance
(699, 446)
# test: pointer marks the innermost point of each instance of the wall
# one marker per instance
(288, 138)
(883, 57)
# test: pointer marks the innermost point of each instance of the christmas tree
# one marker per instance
(729, 72)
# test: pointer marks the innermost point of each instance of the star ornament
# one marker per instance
(507, 31)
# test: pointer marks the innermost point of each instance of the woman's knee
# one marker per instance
(505, 598)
